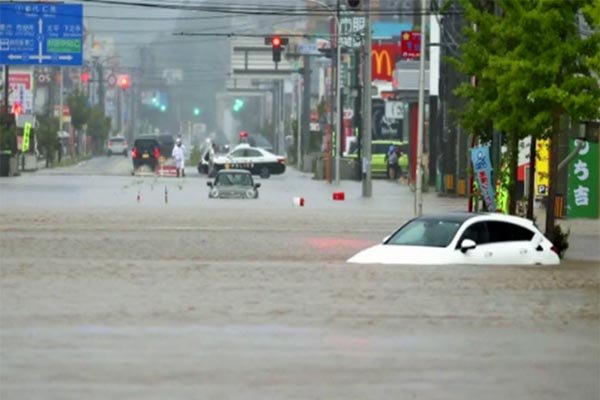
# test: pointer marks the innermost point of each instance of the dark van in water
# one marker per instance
(145, 151)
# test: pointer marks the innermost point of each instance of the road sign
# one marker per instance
(41, 34)
(309, 49)
(394, 109)
(111, 80)
(352, 30)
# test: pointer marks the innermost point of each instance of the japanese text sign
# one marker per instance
(582, 200)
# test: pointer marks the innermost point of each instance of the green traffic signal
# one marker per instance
(163, 108)
(197, 111)
(238, 105)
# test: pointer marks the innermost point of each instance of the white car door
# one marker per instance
(235, 158)
(498, 243)
(255, 159)
(512, 244)
(483, 253)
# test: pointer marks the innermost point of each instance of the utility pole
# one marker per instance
(367, 184)
(60, 112)
(306, 92)
(100, 71)
(298, 127)
(6, 111)
(419, 184)
(338, 95)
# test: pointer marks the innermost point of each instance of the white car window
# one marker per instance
(253, 153)
(507, 232)
(477, 232)
(238, 153)
(426, 232)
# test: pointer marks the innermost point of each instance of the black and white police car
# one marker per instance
(254, 159)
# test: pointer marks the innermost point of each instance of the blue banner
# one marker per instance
(482, 169)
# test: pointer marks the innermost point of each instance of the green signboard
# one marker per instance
(26, 134)
(582, 199)
(64, 46)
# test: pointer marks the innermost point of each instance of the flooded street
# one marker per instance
(253, 299)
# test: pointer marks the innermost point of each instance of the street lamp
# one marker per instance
(338, 106)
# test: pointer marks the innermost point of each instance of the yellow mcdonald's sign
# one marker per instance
(382, 63)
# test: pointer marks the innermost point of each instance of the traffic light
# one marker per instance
(354, 4)
(85, 77)
(163, 108)
(238, 105)
(197, 111)
(124, 81)
(277, 43)
(17, 108)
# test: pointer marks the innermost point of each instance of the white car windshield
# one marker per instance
(426, 232)
(233, 179)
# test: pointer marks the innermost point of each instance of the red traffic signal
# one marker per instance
(85, 77)
(276, 41)
(123, 81)
(17, 108)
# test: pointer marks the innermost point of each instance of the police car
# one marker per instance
(254, 159)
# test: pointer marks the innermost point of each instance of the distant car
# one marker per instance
(232, 184)
(145, 152)
(254, 159)
(463, 238)
(166, 144)
(379, 149)
(116, 145)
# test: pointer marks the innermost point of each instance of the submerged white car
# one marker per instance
(463, 238)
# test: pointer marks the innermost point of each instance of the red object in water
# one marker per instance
(339, 196)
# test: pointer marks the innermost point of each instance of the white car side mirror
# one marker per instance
(385, 239)
(467, 245)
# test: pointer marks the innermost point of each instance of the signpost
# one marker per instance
(41, 34)
(394, 109)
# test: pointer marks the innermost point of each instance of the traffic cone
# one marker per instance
(298, 201)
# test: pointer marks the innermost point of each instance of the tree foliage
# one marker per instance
(47, 136)
(79, 108)
(98, 127)
(533, 65)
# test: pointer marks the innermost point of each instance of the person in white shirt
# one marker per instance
(179, 156)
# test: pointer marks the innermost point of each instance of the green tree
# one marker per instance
(79, 108)
(558, 64)
(47, 136)
(533, 66)
(8, 137)
(98, 127)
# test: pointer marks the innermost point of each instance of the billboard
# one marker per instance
(20, 90)
(383, 60)
(582, 198)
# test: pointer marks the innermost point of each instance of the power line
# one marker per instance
(255, 9)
